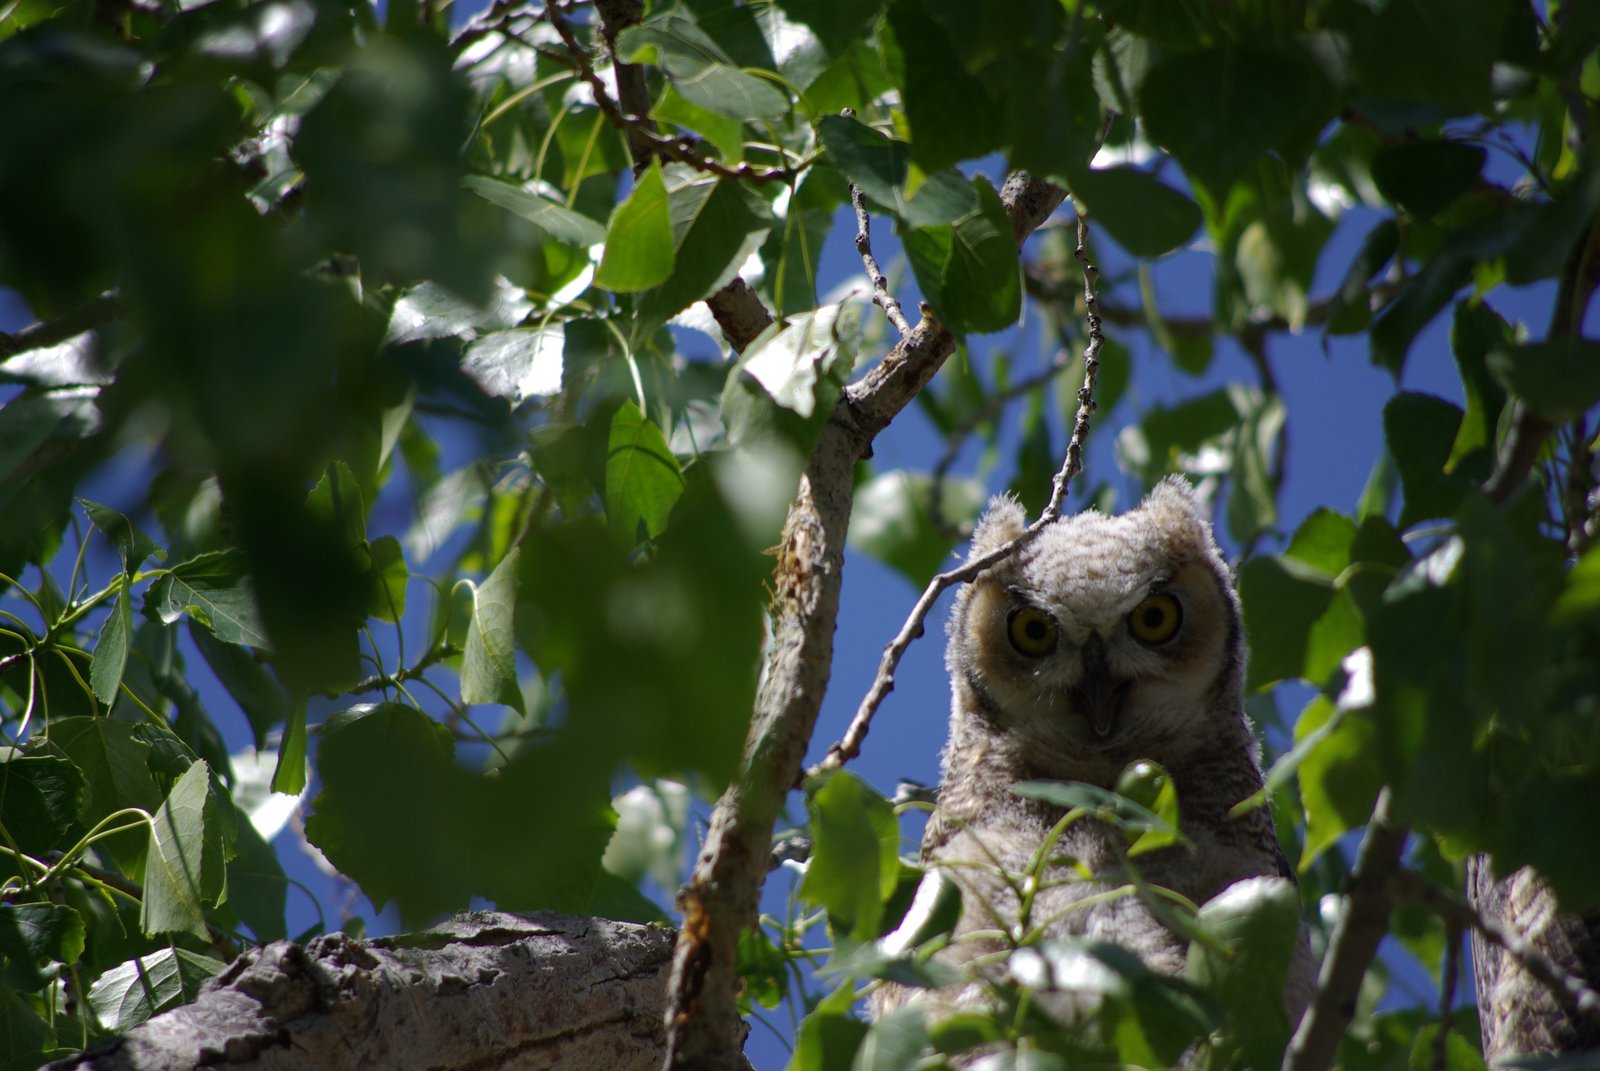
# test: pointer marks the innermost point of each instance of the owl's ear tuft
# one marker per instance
(1178, 512)
(1002, 522)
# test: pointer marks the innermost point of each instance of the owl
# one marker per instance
(1104, 641)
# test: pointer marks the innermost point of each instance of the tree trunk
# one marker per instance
(484, 990)
(1517, 1013)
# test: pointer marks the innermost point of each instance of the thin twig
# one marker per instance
(641, 128)
(1363, 921)
(1447, 996)
(989, 410)
(880, 284)
(1410, 887)
(850, 745)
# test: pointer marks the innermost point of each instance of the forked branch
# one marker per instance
(1072, 464)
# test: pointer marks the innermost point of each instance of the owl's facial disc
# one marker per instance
(1099, 694)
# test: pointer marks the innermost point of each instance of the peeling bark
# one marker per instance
(484, 990)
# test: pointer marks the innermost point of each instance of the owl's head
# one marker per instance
(1116, 637)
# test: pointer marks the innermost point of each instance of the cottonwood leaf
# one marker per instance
(489, 661)
(35, 934)
(518, 364)
(183, 865)
(132, 992)
(211, 588)
(643, 480)
(552, 217)
(639, 240)
(111, 649)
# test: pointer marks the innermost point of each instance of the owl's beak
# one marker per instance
(1099, 695)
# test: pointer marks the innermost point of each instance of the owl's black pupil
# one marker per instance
(1035, 630)
(1153, 617)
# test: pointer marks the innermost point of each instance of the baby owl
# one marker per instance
(1104, 641)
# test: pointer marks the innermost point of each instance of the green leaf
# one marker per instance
(1425, 177)
(969, 268)
(1257, 925)
(855, 853)
(1207, 107)
(257, 887)
(1133, 818)
(811, 355)
(1323, 542)
(336, 503)
(489, 660)
(875, 162)
(716, 223)
(1252, 495)
(40, 796)
(552, 217)
(893, 521)
(212, 589)
(1558, 379)
(1477, 331)
(132, 992)
(289, 777)
(517, 364)
(33, 936)
(1339, 782)
(1420, 430)
(1351, 308)
(114, 763)
(643, 481)
(133, 546)
(639, 239)
(827, 1041)
(950, 112)
(387, 600)
(111, 648)
(1429, 58)
(183, 872)
(1281, 606)
(837, 23)
(893, 1042)
(700, 70)
(457, 843)
(1150, 786)
(1147, 217)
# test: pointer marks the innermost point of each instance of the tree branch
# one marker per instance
(880, 285)
(720, 900)
(102, 309)
(486, 989)
(1363, 921)
(1573, 991)
(850, 745)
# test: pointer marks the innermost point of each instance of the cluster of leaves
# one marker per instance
(400, 319)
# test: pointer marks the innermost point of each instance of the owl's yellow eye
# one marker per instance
(1155, 620)
(1032, 631)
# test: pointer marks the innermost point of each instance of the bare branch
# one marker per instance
(641, 129)
(1457, 913)
(850, 745)
(739, 313)
(880, 285)
(1363, 921)
(719, 901)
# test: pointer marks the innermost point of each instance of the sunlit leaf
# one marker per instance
(488, 662)
(212, 589)
(639, 242)
(183, 865)
(111, 648)
(127, 995)
(855, 853)
(700, 70)
(643, 481)
(518, 364)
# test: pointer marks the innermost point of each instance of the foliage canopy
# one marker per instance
(377, 335)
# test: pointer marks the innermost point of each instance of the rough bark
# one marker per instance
(1518, 1013)
(484, 990)
(720, 900)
